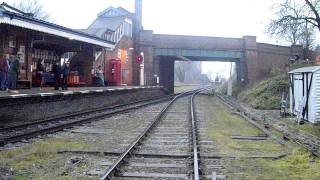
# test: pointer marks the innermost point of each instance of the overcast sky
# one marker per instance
(222, 18)
(227, 18)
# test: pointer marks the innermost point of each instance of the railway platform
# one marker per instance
(49, 91)
(27, 105)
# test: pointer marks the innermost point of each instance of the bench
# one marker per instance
(24, 84)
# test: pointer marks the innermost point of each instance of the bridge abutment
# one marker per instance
(166, 73)
(249, 65)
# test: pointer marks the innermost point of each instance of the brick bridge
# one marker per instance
(253, 60)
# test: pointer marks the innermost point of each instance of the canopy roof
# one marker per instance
(17, 18)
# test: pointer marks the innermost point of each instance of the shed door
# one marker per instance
(299, 93)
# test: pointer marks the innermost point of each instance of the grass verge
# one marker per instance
(298, 164)
(266, 94)
(38, 160)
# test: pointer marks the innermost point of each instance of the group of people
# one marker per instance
(9, 71)
(61, 75)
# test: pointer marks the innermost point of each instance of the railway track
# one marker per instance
(169, 148)
(29, 130)
(174, 145)
(306, 140)
(166, 149)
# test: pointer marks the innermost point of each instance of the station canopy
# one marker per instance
(15, 17)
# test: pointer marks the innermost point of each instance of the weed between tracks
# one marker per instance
(27, 161)
(223, 124)
(298, 164)
(306, 127)
(179, 88)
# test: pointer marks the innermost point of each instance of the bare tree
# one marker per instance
(285, 31)
(33, 7)
(296, 21)
(180, 69)
(300, 11)
(189, 72)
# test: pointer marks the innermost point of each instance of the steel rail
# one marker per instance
(291, 133)
(61, 126)
(196, 155)
(115, 167)
(72, 115)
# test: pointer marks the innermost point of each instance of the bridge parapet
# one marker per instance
(196, 42)
(200, 54)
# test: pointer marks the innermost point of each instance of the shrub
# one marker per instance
(266, 94)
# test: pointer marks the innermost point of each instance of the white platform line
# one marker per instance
(18, 95)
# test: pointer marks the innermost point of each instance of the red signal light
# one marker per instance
(139, 59)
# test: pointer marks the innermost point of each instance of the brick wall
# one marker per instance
(126, 43)
(41, 107)
(258, 57)
(274, 56)
(250, 58)
(196, 42)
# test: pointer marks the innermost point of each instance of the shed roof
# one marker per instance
(310, 69)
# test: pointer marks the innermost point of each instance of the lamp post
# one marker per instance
(142, 70)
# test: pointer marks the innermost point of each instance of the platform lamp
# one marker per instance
(141, 68)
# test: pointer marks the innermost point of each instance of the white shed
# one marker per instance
(305, 93)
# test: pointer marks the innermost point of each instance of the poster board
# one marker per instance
(318, 60)
(23, 68)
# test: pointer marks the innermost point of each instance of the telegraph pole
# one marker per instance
(229, 90)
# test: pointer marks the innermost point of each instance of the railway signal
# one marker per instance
(139, 58)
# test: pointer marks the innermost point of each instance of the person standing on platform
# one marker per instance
(14, 72)
(56, 71)
(4, 72)
(100, 76)
(39, 73)
(1, 72)
(65, 74)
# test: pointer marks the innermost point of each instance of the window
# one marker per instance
(119, 53)
(125, 28)
(127, 56)
(118, 34)
(130, 30)
(12, 41)
(121, 29)
(114, 37)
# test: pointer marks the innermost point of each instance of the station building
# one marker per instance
(115, 25)
(36, 39)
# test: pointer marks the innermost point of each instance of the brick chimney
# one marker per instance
(138, 16)
(137, 27)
